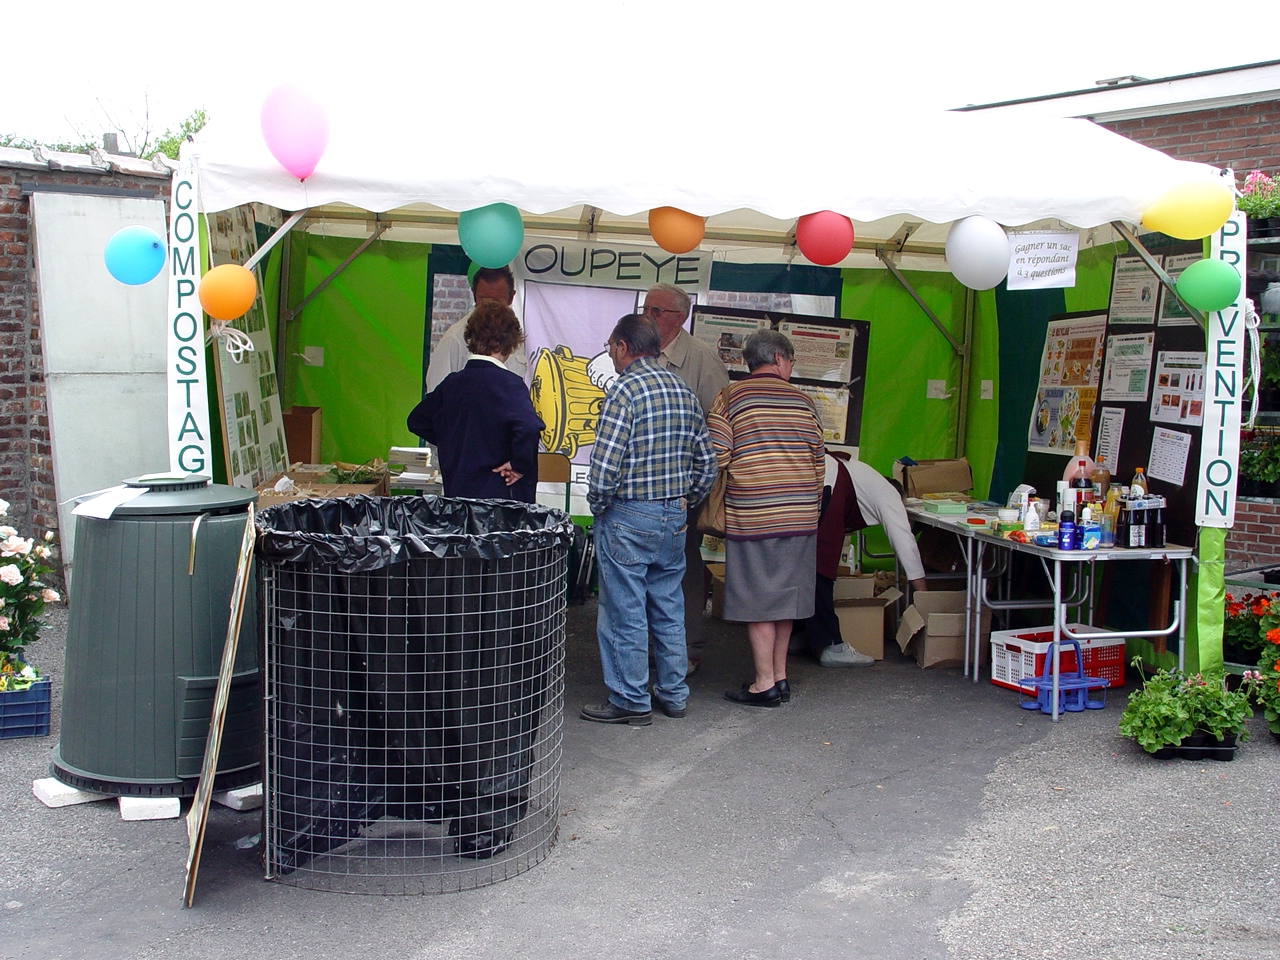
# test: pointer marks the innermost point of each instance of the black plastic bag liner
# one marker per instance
(412, 644)
(360, 534)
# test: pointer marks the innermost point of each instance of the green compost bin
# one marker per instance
(146, 628)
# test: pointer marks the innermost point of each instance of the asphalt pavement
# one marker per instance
(886, 812)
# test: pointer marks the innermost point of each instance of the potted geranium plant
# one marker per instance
(24, 693)
(1188, 715)
(1259, 200)
(1269, 669)
(1259, 465)
(1242, 634)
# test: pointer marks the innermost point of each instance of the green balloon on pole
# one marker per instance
(1209, 285)
(491, 235)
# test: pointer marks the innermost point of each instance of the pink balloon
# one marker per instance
(824, 237)
(296, 129)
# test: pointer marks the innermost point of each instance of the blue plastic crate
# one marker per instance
(25, 713)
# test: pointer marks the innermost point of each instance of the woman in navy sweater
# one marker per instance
(481, 418)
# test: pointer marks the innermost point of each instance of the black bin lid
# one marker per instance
(182, 494)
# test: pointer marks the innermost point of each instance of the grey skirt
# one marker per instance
(770, 579)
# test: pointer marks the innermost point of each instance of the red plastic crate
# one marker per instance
(1016, 654)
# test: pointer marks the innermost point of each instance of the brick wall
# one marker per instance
(450, 302)
(26, 456)
(1243, 137)
(1255, 539)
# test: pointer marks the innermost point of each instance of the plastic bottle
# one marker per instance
(1101, 479)
(1138, 485)
(1110, 516)
(1031, 522)
(1082, 453)
(1066, 531)
(1081, 484)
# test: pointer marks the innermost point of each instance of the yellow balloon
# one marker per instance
(1190, 211)
(227, 291)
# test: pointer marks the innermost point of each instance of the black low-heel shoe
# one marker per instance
(784, 691)
(768, 698)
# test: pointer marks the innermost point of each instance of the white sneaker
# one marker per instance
(843, 655)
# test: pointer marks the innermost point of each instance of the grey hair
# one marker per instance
(682, 298)
(763, 345)
(639, 333)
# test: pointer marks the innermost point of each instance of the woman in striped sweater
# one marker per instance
(767, 435)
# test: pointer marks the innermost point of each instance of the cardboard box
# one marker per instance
(717, 589)
(854, 586)
(307, 486)
(866, 621)
(302, 433)
(932, 629)
(934, 476)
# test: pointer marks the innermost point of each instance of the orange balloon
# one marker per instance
(674, 230)
(227, 292)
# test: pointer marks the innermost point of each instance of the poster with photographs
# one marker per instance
(1178, 396)
(1135, 291)
(830, 358)
(248, 394)
(725, 329)
(823, 352)
(1172, 313)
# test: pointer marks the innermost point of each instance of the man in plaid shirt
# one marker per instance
(652, 457)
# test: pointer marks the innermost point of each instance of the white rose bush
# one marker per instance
(22, 600)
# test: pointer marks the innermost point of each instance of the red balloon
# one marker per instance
(825, 237)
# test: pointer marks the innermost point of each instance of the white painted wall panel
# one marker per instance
(104, 347)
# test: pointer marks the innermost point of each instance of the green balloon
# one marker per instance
(1209, 285)
(491, 235)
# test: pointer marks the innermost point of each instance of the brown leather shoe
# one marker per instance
(607, 713)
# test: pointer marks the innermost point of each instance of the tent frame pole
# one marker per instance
(892, 267)
(1165, 280)
(275, 238)
(962, 412)
(287, 315)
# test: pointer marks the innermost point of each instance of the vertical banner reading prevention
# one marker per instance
(1224, 385)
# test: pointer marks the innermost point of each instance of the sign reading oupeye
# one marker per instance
(1224, 385)
(188, 419)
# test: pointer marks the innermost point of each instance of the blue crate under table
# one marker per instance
(25, 713)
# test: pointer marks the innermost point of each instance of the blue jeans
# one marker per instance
(640, 552)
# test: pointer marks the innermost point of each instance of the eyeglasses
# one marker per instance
(608, 344)
(654, 311)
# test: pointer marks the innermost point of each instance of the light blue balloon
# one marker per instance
(491, 235)
(134, 255)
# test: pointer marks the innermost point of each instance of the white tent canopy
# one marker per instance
(902, 180)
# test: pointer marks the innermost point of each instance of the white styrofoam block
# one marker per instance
(242, 798)
(150, 808)
(52, 792)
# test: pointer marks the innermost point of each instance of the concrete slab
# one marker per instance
(52, 792)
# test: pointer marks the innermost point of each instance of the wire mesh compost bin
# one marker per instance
(414, 676)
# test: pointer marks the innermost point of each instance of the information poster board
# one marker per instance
(248, 394)
(830, 365)
(1070, 370)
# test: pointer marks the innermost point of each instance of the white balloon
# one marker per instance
(978, 252)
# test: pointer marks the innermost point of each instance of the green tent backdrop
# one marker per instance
(371, 322)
